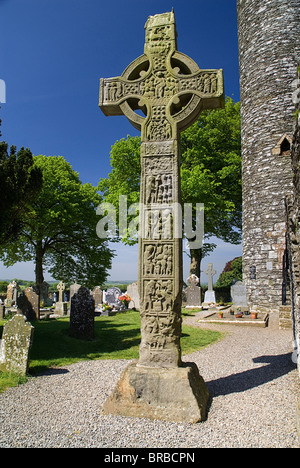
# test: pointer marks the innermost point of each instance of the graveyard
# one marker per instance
(115, 337)
(167, 361)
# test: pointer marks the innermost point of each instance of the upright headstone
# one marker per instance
(74, 289)
(171, 90)
(133, 292)
(193, 292)
(210, 296)
(82, 315)
(28, 304)
(97, 295)
(60, 288)
(61, 307)
(11, 294)
(15, 345)
(238, 294)
(112, 297)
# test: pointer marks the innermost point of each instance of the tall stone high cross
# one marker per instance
(171, 91)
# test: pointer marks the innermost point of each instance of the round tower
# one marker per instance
(269, 50)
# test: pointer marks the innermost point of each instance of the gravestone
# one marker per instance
(15, 345)
(82, 315)
(28, 304)
(238, 294)
(97, 295)
(171, 91)
(60, 288)
(239, 298)
(74, 289)
(11, 294)
(133, 291)
(193, 292)
(112, 297)
(61, 307)
(210, 296)
(2, 309)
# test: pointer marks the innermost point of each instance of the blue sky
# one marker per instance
(52, 55)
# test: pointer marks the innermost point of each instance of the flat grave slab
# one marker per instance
(212, 316)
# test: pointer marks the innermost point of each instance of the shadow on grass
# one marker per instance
(52, 345)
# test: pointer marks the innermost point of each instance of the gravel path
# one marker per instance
(249, 373)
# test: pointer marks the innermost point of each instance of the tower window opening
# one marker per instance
(285, 147)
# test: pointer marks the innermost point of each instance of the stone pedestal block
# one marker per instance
(177, 394)
(61, 308)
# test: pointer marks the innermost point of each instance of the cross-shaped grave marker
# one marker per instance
(210, 272)
(60, 288)
(171, 91)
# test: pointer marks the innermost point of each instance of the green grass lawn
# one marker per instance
(116, 337)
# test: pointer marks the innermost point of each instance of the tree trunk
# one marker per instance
(39, 274)
(196, 257)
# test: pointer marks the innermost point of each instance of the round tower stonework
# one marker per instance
(269, 50)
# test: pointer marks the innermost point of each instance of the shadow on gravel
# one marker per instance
(275, 366)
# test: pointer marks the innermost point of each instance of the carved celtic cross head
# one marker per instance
(165, 84)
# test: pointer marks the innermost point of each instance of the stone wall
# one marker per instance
(269, 44)
(293, 244)
(293, 238)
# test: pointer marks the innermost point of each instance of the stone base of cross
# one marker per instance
(170, 90)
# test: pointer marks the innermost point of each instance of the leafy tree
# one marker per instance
(210, 174)
(59, 231)
(232, 271)
(124, 179)
(3, 286)
(20, 183)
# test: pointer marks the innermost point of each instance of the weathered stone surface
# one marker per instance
(97, 295)
(15, 345)
(133, 292)
(61, 308)
(82, 315)
(74, 289)
(171, 90)
(60, 288)
(11, 294)
(193, 292)
(293, 243)
(178, 394)
(28, 304)
(269, 44)
(238, 294)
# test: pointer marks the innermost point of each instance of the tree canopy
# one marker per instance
(232, 271)
(20, 183)
(59, 230)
